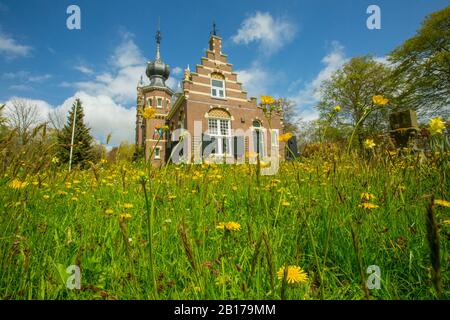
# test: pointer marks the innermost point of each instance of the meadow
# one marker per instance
(227, 232)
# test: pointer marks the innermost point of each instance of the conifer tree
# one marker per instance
(82, 143)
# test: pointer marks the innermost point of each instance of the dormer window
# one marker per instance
(217, 86)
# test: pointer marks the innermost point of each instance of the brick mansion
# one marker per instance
(211, 106)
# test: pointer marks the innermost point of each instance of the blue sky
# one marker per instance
(282, 48)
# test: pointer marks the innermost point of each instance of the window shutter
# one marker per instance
(292, 151)
(206, 141)
(238, 146)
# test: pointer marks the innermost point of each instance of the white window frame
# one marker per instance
(149, 102)
(220, 137)
(158, 104)
(218, 89)
(158, 153)
(262, 132)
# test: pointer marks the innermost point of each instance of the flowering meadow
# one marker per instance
(227, 232)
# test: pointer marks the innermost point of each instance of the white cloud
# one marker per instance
(84, 69)
(309, 94)
(26, 76)
(11, 49)
(21, 87)
(127, 64)
(102, 114)
(272, 34)
(254, 80)
(177, 71)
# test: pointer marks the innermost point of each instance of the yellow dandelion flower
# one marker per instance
(17, 184)
(127, 205)
(337, 108)
(379, 100)
(295, 274)
(267, 100)
(55, 160)
(285, 137)
(109, 212)
(149, 113)
(368, 205)
(62, 193)
(369, 144)
(286, 204)
(442, 203)
(230, 226)
(125, 216)
(74, 199)
(264, 164)
(436, 126)
(46, 197)
(365, 196)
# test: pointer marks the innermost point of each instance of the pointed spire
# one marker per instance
(158, 43)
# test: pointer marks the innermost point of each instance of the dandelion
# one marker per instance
(149, 113)
(447, 222)
(295, 274)
(365, 196)
(62, 193)
(285, 137)
(125, 216)
(17, 184)
(379, 100)
(46, 197)
(74, 199)
(442, 203)
(286, 203)
(337, 108)
(109, 212)
(436, 126)
(369, 144)
(128, 206)
(230, 226)
(368, 205)
(55, 160)
(267, 100)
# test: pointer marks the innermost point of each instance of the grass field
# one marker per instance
(331, 215)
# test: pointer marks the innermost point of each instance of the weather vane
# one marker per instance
(214, 31)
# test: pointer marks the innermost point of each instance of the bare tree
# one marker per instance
(23, 116)
(56, 119)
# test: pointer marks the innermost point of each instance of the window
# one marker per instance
(149, 102)
(159, 102)
(217, 88)
(157, 153)
(220, 131)
(258, 138)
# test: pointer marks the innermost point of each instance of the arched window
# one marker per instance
(258, 138)
(217, 85)
(219, 131)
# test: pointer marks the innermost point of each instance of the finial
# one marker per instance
(214, 30)
(158, 42)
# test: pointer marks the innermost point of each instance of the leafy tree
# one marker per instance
(423, 65)
(352, 89)
(82, 143)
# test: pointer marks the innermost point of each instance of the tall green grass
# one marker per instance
(308, 215)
